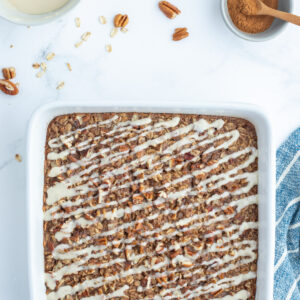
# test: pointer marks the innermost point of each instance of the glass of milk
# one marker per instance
(34, 12)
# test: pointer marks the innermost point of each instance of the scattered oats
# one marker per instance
(36, 65)
(43, 66)
(60, 85)
(77, 22)
(124, 29)
(113, 32)
(69, 67)
(108, 48)
(11, 46)
(17, 84)
(85, 36)
(18, 157)
(40, 74)
(77, 45)
(50, 56)
(102, 20)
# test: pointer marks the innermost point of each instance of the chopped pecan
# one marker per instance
(217, 292)
(137, 198)
(173, 254)
(123, 148)
(88, 217)
(229, 210)
(18, 157)
(170, 10)
(138, 226)
(188, 156)
(180, 33)
(149, 195)
(101, 241)
(121, 20)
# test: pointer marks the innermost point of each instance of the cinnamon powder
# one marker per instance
(241, 12)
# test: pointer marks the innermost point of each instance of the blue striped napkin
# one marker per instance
(287, 255)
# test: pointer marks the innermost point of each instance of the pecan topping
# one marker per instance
(180, 33)
(170, 10)
(229, 210)
(8, 87)
(9, 73)
(139, 213)
(101, 241)
(121, 20)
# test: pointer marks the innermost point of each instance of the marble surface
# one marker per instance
(144, 66)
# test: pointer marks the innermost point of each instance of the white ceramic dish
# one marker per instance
(35, 169)
(277, 27)
(10, 13)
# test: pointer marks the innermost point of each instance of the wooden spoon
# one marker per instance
(263, 9)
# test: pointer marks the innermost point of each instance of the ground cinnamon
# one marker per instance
(241, 12)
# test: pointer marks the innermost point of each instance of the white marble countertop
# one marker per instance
(145, 66)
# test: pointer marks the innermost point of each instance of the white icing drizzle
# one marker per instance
(75, 185)
(241, 295)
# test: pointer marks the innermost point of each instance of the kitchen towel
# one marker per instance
(287, 255)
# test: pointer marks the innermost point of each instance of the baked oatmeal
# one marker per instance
(150, 206)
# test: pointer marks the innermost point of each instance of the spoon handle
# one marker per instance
(284, 16)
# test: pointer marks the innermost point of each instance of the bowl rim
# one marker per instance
(40, 19)
(248, 36)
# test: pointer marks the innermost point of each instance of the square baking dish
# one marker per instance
(266, 173)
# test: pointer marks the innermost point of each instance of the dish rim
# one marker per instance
(266, 158)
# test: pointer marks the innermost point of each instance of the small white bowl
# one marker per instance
(276, 28)
(10, 13)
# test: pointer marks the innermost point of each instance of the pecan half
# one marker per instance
(121, 20)
(8, 87)
(9, 73)
(180, 33)
(170, 10)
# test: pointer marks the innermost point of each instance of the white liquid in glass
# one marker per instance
(37, 6)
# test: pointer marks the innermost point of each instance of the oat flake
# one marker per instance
(77, 22)
(60, 85)
(113, 32)
(69, 67)
(50, 56)
(102, 20)
(108, 48)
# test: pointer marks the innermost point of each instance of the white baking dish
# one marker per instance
(35, 168)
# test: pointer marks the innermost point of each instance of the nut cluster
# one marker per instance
(6, 85)
(171, 11)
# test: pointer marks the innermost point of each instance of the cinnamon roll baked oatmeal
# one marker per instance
(150, 206)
